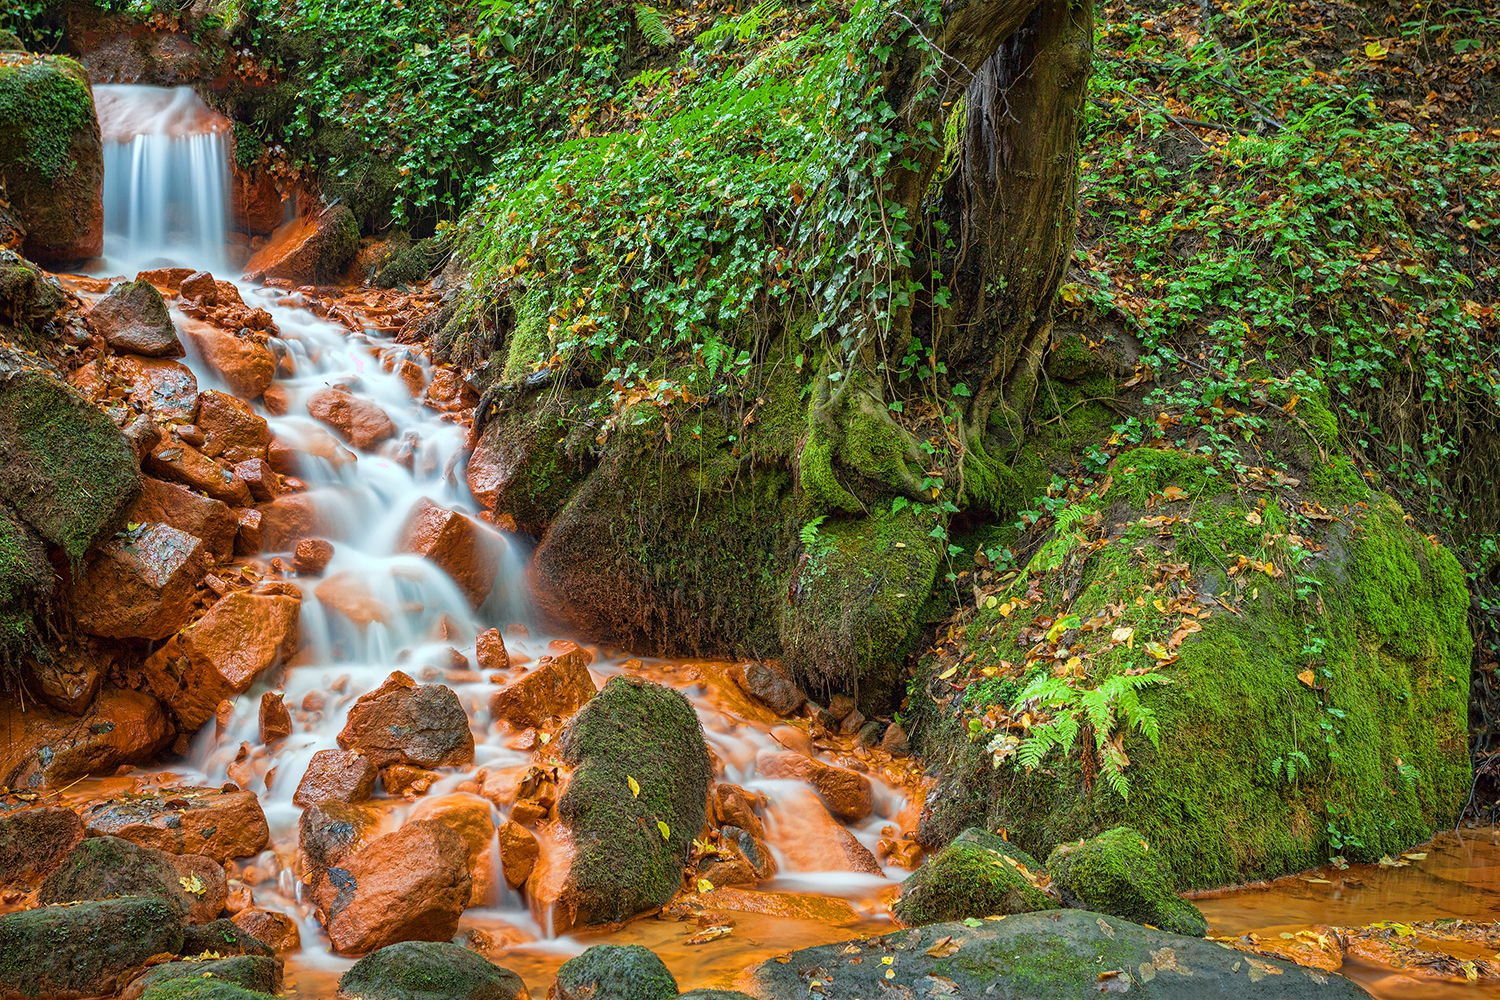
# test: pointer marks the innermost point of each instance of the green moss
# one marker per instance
(43, 104)
(1072, 359)
(529, 341)
(200, 989)
(1143, 472)
(1119, 873)
(1337, 482)
(975, 876)
(616, 972)
(10, 41)
(422, 970)
(630, 850)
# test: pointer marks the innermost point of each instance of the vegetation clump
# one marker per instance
(977, 875)
(1118, 873)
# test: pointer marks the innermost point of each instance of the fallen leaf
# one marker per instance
(666, 831)
(633, 785)
(1174, 493)
(1375, 52)
(1183, 631)
(708, 934)
(1252, 517)
(704, 885)
(192, 884)
(1306, 677)
(1123, 634)
(943, 947)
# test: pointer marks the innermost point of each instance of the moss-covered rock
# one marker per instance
(10, 41)
(1118, 873)
(978, 875)
(1056, 954)
(200, 989)
(223, 937)
(614, 972)
(102, 867)
(51, 159)
(428, 970)
(27, 296)
(64, 467)
(78, 951)
(629, 849)
(26, 579)
(258, 974)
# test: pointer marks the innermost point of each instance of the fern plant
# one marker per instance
(652, 26)
(1115, 703)
(1289, 764)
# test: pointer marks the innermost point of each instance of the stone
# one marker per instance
(847, 794)
(216, 824)
(313, 249)
(964, 881)
(628, 851)
(771, 688)
(133, 319)
(275, 928)
(262, 480)
(27, 296)
(402, 722)
(469, 816)
(363, 423)
(840, 706)
(161, 386)
(69, 677)
(852, 723)
(45, 747)
(34, 842)
(869, 735)
(1051, 953)
(73, 952)
(141, 584)
(200, 285)
(287, 520)
(142, 433)
(211, 521)
(754, 851)
(731, 805)
(1119, 873)
(490, 651)
(240, 357)
(519, 851)
(430, 970)
(411, 885)
(347, 594)
(67, 470)
(256, 203)
(236, 433)
(330, 831)
(52, 158)
(311, 556)
(248, 539)
(407, 781)
(812, 840)
(223, 936)
(255, 974)
(449, 391)
(615, 972)
(895, 741)
(275, 720)
(220, 655)
(556, 688)
(336, 776)
(178, 462)
(102, 867)
(165, 279)
(451, 542)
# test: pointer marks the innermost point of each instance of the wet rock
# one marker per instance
(223, 936)
(628, 850)
(449, 391)
(67, 952)
(102, 867)
(52, 158)
(165, 388)
(347, 594)
(241, 357)
(770, 687)
(812, 840)
(452, 543)
(556, 688)
(262, 480)
(895, 741)
(67, 470)
(330, 831)
(402, 722)
(363, 423)
(275, 720)
(68, 678)
(218, 825)
(287, 520)
(27, 296)
(210, 521)
(847, 794)
(407, 781)
(165, 279)
(840, 706)
(728, 866)
(140, 584)
(714, 995)
(615, 972)
(490, 651)
(133, 319)
(518, 853)
(336, 776)
(257, 974)
(733, 806)
(311, 556)
(752, 850)
(221, 654)
(248, 539)
(178, 462)
(869, 735)
(411, 885)
(200, 285)
(1119, 873)
(235, 431)
(429, 970)
(963, 880)
(1052, 953)
(310, 250)
(44, 746)
(256, 203)
(852, 723)
(34, 843)
(470, 817)
(276, 929)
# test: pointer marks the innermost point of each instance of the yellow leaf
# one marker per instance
(1306, 677)
(192, 884)
(1375, 51)
(948, 673)
(1252, 517)
(1005, 609)
(666, 831)
(1122, 634)
(991, 601)
(704, 885)
(890, 973)
(888, 960)
(635, 786)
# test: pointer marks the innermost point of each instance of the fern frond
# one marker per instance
(653, 27)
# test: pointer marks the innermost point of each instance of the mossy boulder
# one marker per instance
(1118, 873)
(1056, 954)
(614, 972)
(64, 467)
(63, 952)
(258, 974)
(629, 849)
(200, 989)
(10, 41)
(51, 158)
(102, 867)
(26, 578)
(428, 970)
(978, 875)
(28, 297)
(223, 937)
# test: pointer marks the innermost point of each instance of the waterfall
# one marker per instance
(166, 178)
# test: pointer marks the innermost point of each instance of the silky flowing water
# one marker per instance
(165, 198)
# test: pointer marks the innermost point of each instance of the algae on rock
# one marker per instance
(978, 875)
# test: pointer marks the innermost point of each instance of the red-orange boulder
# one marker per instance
(847, 794)
(39, 744)
(455, 545)
(233, 429)
(287, 520)
(359, 420)
(309, 250)
(557, 687)
(139, 584)
(211, 521)
(402, 722)
(336, 776)
(275, 719)
(179, 462)
(347, 594)
(272, 928)
(166, 388)
(490, 651)
(518, 853)
(311, 556)
(34, 842)
(216, 824)
(262, 480)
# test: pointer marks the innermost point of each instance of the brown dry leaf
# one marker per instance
(708, 934)
(1183, 631)
(943, 947)
(1306, 677)
(1175, 493)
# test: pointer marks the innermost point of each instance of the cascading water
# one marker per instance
(166, 177)
(373, 609)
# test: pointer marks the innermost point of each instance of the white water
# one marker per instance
(165, 201)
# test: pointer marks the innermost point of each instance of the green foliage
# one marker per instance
(45, 103)
(1096, 712)
(649, 20)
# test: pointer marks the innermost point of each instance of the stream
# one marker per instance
(374, 610)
